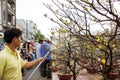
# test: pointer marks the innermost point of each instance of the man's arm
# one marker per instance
(32, 63)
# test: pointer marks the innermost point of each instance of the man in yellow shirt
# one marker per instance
(10, 60)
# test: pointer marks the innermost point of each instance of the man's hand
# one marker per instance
(41, 59)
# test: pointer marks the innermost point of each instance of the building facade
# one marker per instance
(7, 14)
(28, 27)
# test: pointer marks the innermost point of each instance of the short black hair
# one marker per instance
(10, 33)
(40, 40)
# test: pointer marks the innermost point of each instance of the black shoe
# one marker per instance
(49, 78)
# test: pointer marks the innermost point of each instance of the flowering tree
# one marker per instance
(65, 52)
(79, 18)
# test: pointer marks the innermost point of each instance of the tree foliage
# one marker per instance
(39, 36)
(94, 24)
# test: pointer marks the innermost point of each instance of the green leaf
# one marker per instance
(52, 32)
(86, 8)
(63, 5)
(57, 11)
(86, 0)
(63, 30)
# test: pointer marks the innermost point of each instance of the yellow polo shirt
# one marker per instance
(10, 65)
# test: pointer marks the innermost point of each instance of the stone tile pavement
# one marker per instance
(83, 75)
(28, 72)
(54, 76)
(37, 76)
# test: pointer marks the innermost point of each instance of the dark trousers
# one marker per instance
(23, 72)
(45, 69)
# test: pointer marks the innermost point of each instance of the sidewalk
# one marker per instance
(28, 72)
(37, 76)
(83, 76)
(54, 76)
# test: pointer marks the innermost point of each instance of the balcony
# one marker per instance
(11, 10)
(11, 1)
(10, 25)
(4, 23)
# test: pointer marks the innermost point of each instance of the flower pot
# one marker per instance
(55, 69)
(114, 75)
(115, 65)
(64, 76)
(107, 67)
(84, 62)
(92, 71)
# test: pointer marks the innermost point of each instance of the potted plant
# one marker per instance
(64, 76)
(113, 75)
(55, 66)
(55, 69)
(92, 67)
(83, 17)
(91, 70)
(65, 54)
(64, 72)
